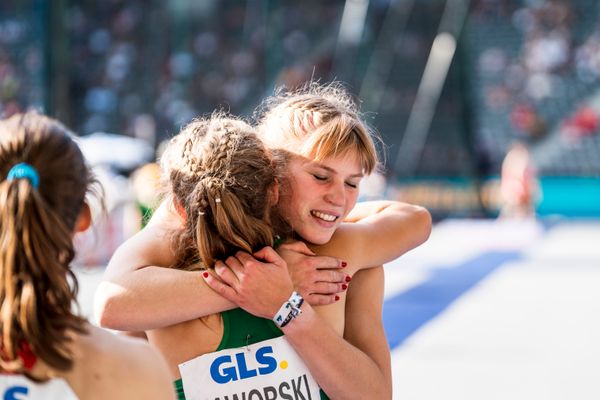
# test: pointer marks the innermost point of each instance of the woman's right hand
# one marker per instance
(318, 279)
(258, 283)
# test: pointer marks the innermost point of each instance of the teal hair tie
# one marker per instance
(26, 171)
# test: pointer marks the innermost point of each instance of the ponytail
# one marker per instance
(37, 219)
(225, 228)
(36, 296)
(221, 174)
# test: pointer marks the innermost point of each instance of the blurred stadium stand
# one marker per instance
(521, 70)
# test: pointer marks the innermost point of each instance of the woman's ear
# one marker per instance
(179, 208)
(84, 220)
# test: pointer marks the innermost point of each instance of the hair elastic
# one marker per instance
(218, 200)
(277, 241)
(24, 171)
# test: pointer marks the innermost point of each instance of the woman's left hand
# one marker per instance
(258, 283)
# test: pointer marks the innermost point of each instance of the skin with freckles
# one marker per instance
(318, 195)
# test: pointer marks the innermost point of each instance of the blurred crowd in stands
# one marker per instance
(142, 70)
(21, 61)
(543, 73)
(532, 69)
(203, 55)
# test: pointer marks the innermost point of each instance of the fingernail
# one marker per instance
(344, 264)
(337, 297)
(348, 278)
(205, 274)
(344, 286)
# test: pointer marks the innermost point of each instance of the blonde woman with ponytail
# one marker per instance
(321, 150)
(47, 351)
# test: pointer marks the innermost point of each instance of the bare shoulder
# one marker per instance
(110, 347)
(122, 367)
(345, 244)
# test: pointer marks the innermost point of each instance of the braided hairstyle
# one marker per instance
(222, 175)
(37, 221)
(316, 121)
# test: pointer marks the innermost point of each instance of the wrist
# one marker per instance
(289, 310)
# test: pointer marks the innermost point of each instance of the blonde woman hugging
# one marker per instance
(318, 151)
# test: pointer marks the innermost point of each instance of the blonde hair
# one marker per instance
(36, 229)
(221, 173)
(317, 122)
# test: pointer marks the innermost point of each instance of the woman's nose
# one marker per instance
(336, 195)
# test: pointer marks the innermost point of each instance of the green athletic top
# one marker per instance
(240, 329)
(145, 212)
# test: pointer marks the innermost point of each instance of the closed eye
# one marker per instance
(319, 177)
(352, 185)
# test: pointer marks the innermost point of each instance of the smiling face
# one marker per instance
(322, 149)
(318, 195)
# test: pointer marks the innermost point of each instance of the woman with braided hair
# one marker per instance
(323, 150)
(47, 351)
(223, 184)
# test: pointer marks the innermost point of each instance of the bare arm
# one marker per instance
(138, 294)
(378, 232)
(342, 370)
(364, 324)
(358, 367)
(365, 209)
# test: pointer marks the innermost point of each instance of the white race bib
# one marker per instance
(268, 370)
(17, 387)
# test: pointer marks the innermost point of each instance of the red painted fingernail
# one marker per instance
(337, 297)
(348, 278)
(344, 286)
(344, 264)
(205, 274)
